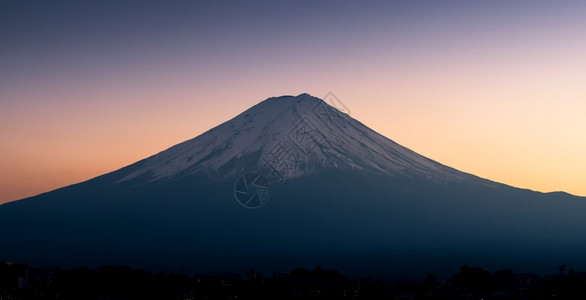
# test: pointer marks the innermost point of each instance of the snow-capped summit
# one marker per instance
(291, 136)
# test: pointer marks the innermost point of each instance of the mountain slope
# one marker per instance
(306, 131)
(326, 190)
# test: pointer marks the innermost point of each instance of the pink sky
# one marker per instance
(497, 90)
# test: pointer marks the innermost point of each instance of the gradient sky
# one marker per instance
(494, 88)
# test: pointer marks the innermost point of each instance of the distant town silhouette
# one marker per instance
(19, 281)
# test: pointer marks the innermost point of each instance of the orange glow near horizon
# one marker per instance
(496, 90)
(524, 148)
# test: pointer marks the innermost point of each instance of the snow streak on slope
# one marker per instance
(294, 136)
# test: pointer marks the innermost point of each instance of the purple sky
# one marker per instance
(495, 88)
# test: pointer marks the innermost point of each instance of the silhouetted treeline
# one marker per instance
(18, 281)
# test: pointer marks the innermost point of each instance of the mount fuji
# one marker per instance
(294, 182)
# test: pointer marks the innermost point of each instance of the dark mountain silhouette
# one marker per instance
(293, 182)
